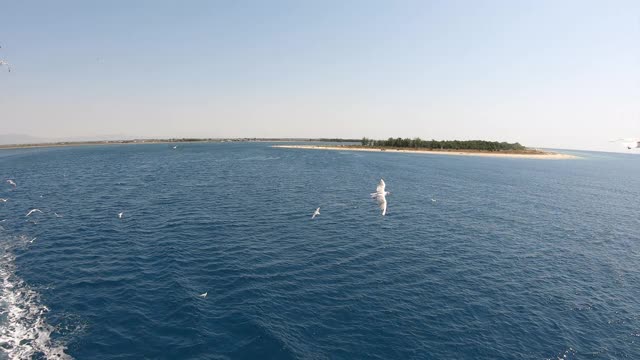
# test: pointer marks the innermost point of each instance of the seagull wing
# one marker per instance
(381, 187)
(382, 201)
(33, 210)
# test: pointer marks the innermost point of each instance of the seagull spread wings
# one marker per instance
(381, 196)
(32, 211)
(629, 143)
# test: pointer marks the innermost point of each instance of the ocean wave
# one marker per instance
(24, 331)
(260, 158)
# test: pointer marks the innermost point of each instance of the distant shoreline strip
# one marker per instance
(541, 156)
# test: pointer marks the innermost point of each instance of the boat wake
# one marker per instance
(24, 331)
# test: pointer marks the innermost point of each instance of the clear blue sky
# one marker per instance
(545, 73)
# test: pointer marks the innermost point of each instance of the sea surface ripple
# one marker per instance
(515, 258)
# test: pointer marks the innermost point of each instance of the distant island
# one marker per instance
(443, 147)
(404, 145)
(169, 141)
(417, 143)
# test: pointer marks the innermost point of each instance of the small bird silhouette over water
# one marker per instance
(57, 215)
(32, 211)
(315, 213)
(203, 295)
(32, 240)
(120, 214)
(11, 182)
(381, 196)
(3, 200)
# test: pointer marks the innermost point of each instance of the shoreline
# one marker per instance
(541, 155)
(147, 141)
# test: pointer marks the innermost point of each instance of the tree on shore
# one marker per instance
(444, 144)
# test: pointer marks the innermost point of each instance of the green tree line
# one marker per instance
(443, 144)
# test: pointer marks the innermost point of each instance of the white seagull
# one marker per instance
(11, 182)
(203, 295)
(120, 215)
(381, 196)
(32, 211)
(57, 215)
(315, 213)
(2, 62)
(32, 240)
(3, 200)
(629, 143)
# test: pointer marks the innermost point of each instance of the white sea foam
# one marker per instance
(565, 355)
(24, 331)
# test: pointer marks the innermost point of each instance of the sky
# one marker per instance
(553, 74)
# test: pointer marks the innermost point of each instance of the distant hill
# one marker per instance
(10, 139)
(20, 139)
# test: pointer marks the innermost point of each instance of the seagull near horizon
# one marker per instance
(32, 211)
(120, 215)
(11, 182)
(629, 143)
(204, 295)
(381, 196)
(315, 213)
(3, 200)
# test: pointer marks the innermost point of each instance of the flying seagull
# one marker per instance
(11, 182)
(2, 62)
(57, 215)
(204, 295)
(3, 200)
(32, 240)
(381, 196)
(315, 213)
(629, 143)
(32, 211)
(120, 215)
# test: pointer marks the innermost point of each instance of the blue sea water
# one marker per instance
(516, 258)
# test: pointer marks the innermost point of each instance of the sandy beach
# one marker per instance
(542, 155)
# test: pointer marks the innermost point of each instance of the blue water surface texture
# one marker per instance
(477, 258)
